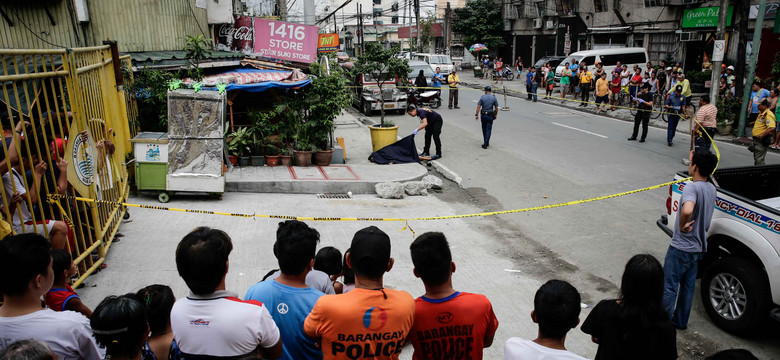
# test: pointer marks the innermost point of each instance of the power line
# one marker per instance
(33, 32)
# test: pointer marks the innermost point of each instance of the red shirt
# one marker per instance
(452, 328)
(615, 84)
(636, 80)
(57, 298)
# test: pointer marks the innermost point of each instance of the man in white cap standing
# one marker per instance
(730, 78)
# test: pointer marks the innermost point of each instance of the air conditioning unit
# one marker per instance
(691, 36)
(549, 25)
(537, 23)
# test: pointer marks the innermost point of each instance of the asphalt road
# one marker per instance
(544, 154)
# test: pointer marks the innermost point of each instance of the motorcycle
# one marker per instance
(426, 98)
(505, 73)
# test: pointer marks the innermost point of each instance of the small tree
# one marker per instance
(480, 21)
(384, 66)
(197, 48)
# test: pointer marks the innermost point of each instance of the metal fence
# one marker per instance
(66, 128)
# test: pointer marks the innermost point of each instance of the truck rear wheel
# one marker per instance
(735, 295)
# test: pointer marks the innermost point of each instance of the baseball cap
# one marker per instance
(487, 88)
(731, 67)
(370, 252)
(669, 68)
(678, 88)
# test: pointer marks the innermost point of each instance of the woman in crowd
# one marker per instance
(635, 325)
(119, 325)
(159, 300)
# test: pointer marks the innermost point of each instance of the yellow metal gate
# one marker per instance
(67, 106)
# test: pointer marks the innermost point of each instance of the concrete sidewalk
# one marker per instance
(356, 175)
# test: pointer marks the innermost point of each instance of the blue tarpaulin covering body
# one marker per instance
(262, 86)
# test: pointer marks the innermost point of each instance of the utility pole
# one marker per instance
(719, 35)
(417, 26)
(282, 9)
(751, 66)
(448, 33)
(408, 8)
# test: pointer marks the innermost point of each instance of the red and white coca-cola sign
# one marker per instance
(238, 36)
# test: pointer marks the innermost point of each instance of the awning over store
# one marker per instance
(254, 80)
(173, 59)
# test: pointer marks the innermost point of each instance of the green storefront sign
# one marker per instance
(704, 17)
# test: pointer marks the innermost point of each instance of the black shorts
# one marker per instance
(602, 99)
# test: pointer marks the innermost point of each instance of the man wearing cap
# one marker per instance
(673, 107)
(369, 321)
(645, 103)
(730, 75)
(686, 89)
(763, 128)
(488, 107)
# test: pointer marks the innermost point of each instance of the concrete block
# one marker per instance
(432, 182)
(338, 155)
(416, 188)
(390, 190)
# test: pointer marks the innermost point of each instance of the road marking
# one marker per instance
(585, 131)
(474, 100)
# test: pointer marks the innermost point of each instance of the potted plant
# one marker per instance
(238, 145)
(285, 159)
(271, 155)
(385, 66)
(324, 153)
(259, 131)
(727, 111)
(302, 150)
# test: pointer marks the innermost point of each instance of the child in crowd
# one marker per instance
(29, 349)
(26, 260)
(159, 300)
(328, 260)
(636, 325)
(61, 296)
(556, 310)
(433, 264)
(119, 324)
(348, 277)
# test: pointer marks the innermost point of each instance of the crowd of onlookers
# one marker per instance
(317, 305)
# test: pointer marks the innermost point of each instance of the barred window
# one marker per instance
(600, 5)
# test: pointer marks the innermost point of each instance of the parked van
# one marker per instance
(444, 62)
(607, 57)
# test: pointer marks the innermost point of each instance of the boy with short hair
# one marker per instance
(288, 297)
(444, 316)
(211, 321)
(369, 321)
(61, 296)
(556, 310)
(27, 264)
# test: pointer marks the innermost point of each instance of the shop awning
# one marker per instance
(254, 80)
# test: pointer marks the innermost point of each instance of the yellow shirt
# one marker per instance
(764, 121)
(686, 90)
(453, 79)
(586, 77)
(602, 87)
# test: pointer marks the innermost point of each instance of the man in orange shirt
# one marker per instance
(369, 322)
(448, 324)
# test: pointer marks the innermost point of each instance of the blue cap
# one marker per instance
(487, 88)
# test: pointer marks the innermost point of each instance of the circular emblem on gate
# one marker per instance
(282, 308)
(84, 160)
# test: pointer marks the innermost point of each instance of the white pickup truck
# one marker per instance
(740, 274)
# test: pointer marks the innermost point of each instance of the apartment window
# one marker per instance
(654, 3)
(377, 12)
(379, 2)
(394, 20)
(564, 7)
(600, 5)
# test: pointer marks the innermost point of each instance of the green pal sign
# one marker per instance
(704, 17)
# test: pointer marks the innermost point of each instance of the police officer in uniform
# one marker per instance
(488, 108)
(431, 121)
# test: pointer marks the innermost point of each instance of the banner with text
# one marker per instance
(286, 41)
(237, 36)
(328, 43)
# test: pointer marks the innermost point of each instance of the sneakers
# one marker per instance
(425, 154)
(641, 140)
(457, 107)
(434, 157)
(631, 138)
(670, 143)
(484, 146)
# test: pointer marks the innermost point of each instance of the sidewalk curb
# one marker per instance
(447, 173)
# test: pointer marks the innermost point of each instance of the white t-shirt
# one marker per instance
(221, 324)
(11, 179)
(625, 78)
(67, 333)
(517, 348)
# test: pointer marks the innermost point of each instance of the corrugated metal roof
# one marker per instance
(177, 58)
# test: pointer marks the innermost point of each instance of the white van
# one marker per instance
(444, 62)
(608, 58)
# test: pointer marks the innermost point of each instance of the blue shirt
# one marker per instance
(574, 67)
(425, 113)
(676, 101)
(289, 307)
(437, 79)
(757, 97)
(488, 102)
(529, 78)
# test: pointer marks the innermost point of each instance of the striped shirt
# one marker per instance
(706, 116)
